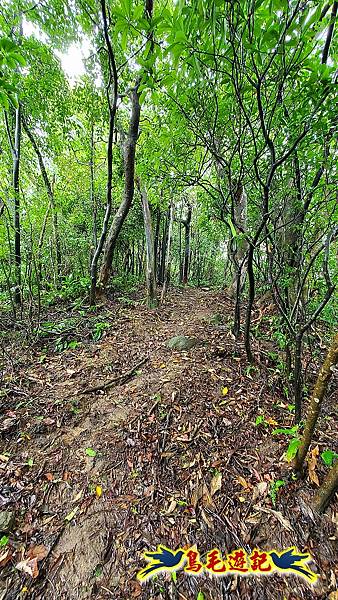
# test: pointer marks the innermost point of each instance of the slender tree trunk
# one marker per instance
(251, 299)
(238, 247)
(180, 251)
(92, 192)
(150, 257)
(166, 277)
(187, 226)
(298, 378)
(327, 489)
(163, 249)
(50, 193)
(129, 171)
(16, 190)
(317, 397)
(112, 106)
(129, 165)
(156, 238)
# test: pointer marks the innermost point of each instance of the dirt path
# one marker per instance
(160, 441)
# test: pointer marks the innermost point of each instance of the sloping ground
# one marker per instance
(178, 458)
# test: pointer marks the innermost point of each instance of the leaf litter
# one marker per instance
(171, 454)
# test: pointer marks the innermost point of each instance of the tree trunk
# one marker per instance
(157, 236)
(187, 225)
(327, 489)
(163, 249)
(50, 194)
(112, 106)
(166, 277)
(238, 247)
(251, 299)
(298, 379)
(92, 192)
(150, 257)
(16, 190)
(129, 171)
(318, 394)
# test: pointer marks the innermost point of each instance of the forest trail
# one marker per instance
(174, 450)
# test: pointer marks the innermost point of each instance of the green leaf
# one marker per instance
(292, 449)
(232, 227)
(18, 58)
(286, 431)
(4, 541)
(328, 456)
(200, 596)
(90, 452)
(4, 100)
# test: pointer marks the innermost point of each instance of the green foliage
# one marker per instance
(286, 430)
(328, 457)
(90, 452)
(98, 329)
(4, 541)
(274, 487)
(292, 449)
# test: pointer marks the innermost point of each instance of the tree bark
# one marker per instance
(16, 190)
(112, 106)
(92, 192)
(238, 247)
(326, 490)
(150, 257)
(166, 277)
(157, 236)
(187, 225)
(129, 186)
(50, 194)
(317, 397)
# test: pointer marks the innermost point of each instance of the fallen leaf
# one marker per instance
(49, 476)
(78, 496)
(271, 421)
(39, 552)
(137, 589)
(206, 519)
(171, 508)
(260, 490)
(201, 493)
(283, 521)
(72, 514)
(243, 482)
(29, 566)
(5, 557)
(4, 458)
(215, 484)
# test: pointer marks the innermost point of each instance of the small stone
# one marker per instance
(181, 342)
(6, 521)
